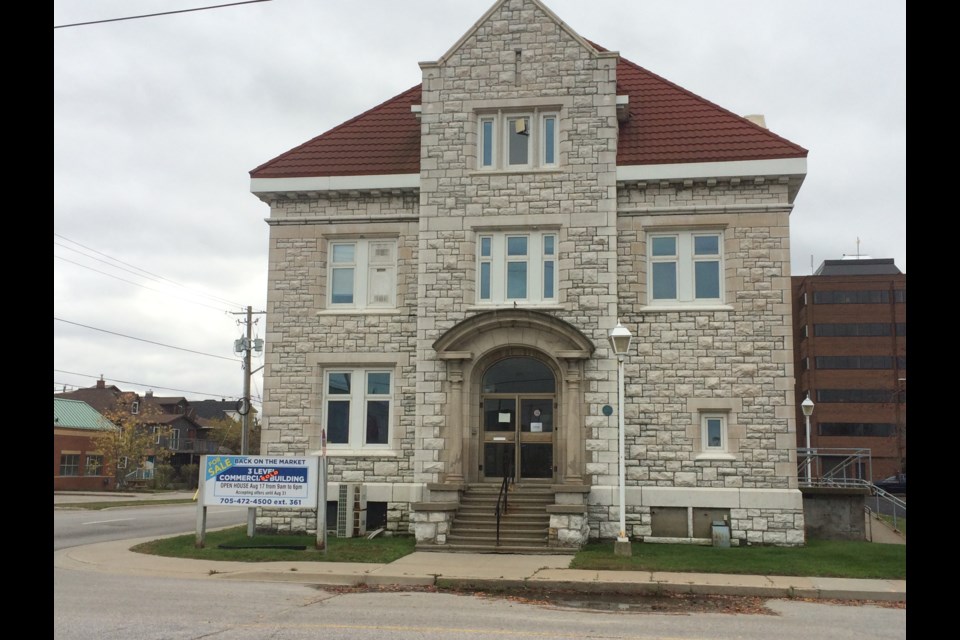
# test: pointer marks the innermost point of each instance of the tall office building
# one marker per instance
(850, 354)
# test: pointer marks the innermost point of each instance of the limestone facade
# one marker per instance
(441, 334)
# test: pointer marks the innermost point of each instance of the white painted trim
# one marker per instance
(335, 183)
(693, 170)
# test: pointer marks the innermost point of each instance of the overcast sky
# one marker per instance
(159, 246)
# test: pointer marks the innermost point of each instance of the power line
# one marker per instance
(153, 15)
(147, 341)
(146, 386)
(137, 284)
(152, 276)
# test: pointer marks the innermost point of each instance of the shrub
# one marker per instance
(189, 476)
(163, 475)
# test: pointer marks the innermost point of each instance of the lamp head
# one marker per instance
(620, 338)
(807, 406)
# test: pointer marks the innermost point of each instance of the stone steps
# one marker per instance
(524, 528)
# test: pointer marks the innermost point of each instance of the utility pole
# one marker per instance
(245, 415)
(247, 345)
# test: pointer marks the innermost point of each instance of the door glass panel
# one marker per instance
(498, 459)
(536, 415)
(499, 414)
(536, 460)
(518, 375)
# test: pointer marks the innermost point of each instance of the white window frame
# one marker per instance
(65, 467)
(364, 264)
(707, 445)
(684, 260)
(499, 133)
(358, 398)
(539, 264)
(97, 468)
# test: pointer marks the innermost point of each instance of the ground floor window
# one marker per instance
(69, 464)
(358, 407)
(93, 466)
(714, 431)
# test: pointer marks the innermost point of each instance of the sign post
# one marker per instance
(322, 506)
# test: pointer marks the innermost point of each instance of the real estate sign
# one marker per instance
(260, 481)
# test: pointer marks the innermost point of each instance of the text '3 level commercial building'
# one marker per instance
(444, 270)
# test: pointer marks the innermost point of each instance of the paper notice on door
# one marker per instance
(505, 417)
(536, 427)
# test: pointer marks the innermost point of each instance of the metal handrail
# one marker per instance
(502, 496)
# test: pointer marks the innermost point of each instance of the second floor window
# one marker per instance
(362, 274)
(685, 267)
(519, 267)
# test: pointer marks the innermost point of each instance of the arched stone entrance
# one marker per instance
(485, 404)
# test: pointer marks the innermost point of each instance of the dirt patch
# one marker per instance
(675, 604)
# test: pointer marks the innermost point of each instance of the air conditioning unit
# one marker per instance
(351, 510)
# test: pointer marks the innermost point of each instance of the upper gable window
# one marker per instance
(362, 274)
(518, 140)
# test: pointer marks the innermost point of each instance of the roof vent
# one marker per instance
(757, 119)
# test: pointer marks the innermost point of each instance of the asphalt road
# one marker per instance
(74, 527)
(92, 604)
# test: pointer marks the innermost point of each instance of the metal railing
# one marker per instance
(847, 471)
(846, 465)
(501, 507)
(188, 445)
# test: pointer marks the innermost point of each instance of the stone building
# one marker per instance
(445, 268)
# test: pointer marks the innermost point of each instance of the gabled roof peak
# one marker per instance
(536, 4)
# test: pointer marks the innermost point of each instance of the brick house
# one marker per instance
(78, 464)
(444, 270)
(185, 437)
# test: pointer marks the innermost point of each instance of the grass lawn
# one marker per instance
(823, 558)
(839, 559)
(382, 549)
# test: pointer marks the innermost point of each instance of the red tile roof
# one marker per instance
(668, 124)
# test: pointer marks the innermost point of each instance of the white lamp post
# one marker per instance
(807, 407)
(620, 338)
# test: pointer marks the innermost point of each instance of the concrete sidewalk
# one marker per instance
(467, 570)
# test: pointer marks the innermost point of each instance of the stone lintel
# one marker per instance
(573, 355)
